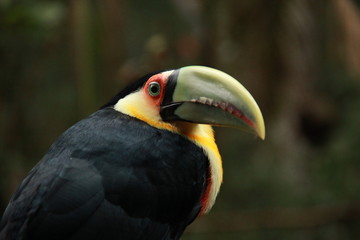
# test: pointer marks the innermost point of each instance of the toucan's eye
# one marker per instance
(154, 89)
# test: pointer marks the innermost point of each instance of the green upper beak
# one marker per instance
(208, 96)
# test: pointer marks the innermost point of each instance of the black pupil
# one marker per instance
(154, 88)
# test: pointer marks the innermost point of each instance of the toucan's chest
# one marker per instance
(157, 172)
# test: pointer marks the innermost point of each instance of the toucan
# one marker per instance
(144, 166)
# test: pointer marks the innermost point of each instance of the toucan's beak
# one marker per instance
(208, 96)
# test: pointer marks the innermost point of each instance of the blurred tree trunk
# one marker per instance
(299, 40)
(348, 23)
(209, 35)
(82, 53)
(202, 18)
(113, 15)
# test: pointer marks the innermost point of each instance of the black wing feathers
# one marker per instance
(110, 176)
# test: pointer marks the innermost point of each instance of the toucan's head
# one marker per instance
(193, 94)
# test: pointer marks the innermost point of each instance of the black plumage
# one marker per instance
(110, 176)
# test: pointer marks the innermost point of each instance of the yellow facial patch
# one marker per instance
(138, 105)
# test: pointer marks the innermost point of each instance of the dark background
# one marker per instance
(300, 59)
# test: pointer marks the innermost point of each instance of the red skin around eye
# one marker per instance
(160, 78)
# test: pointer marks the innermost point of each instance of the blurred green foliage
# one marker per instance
(61, 60)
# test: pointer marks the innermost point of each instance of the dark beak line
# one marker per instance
(167, 111)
